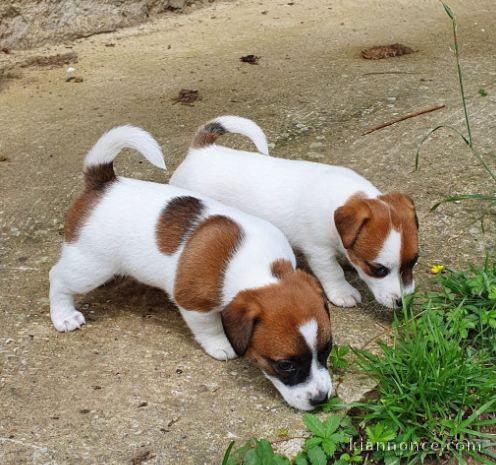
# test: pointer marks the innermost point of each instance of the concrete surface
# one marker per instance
(32, 23)
(79, 398)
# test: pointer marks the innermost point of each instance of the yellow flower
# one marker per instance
(436, 269)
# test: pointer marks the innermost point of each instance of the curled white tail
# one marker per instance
(209, 132)
(123, 137)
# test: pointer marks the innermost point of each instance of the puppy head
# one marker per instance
(380, 236)
(284, 328)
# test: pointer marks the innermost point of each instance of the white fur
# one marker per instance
(119, 238)
(124, 137)
(299, 197)
(245, 127)
(387, 290)
(319, 381)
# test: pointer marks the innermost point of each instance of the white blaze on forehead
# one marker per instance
(309, 332)
(390, 254)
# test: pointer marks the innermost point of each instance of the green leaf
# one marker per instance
(317, 456)
(228, 453)
(448, 11)
(334, 403)
(280, 460)
(300, 460)
(331, 425)
(391, 459)
(329, 447)
(314, 425)
(492, 292)
(312, 442)
(380, 433)
(339, 437)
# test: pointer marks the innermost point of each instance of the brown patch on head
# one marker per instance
(264, 323)
(201, 266)
(176, 221)
(97, 178)
(207, 135)
(364, 224)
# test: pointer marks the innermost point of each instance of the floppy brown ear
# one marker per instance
(398, 198)
(401, 199)
(238, 320)
(350, 219)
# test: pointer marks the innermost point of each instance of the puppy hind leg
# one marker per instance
(209, 333)
(327, 269)
(73, 274)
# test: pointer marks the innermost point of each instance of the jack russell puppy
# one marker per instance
(232, 275)
(323, 210)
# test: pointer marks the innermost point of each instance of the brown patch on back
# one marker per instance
(364, 225)
(207, 135)
(176, 221)
(201, 267)
(96, 179)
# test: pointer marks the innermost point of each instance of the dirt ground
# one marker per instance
(132, 386)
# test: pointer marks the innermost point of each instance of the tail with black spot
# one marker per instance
(98, 164)
(208, 133)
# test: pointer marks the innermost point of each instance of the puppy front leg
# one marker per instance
(324, 264)
(209, 333)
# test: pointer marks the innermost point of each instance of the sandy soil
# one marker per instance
(132, 380)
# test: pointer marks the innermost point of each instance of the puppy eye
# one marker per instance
(323, 354)
(379, 271)
(286, 365)
(412, 262)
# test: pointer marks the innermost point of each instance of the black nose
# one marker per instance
(399, 302)
(319, 399)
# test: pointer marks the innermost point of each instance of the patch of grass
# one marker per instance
(468, 298)
(433, 387)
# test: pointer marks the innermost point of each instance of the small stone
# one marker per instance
(291, 447)
(301, 127)
(315, 155)
(316, 145)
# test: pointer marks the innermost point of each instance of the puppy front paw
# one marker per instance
(220, 349)
(67, 320)
(344, 295)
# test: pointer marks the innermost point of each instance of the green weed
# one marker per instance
(433, 388)
(468, 298)
(488, 199)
